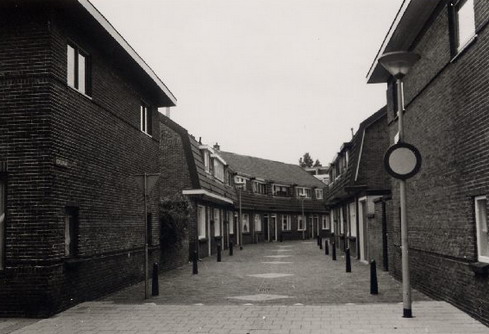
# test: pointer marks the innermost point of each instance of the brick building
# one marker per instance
(446, 119)
(272, 196)
(77, 123)
(357, 179)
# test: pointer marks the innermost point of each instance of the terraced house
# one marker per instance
(78, 127)
(357, 180)
(278, 201)
(446, 118)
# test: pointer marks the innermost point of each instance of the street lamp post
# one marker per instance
(398, 65)
(302, 196)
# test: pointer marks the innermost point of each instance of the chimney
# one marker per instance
(217, 147)
(200, 140)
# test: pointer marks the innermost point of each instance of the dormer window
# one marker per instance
(259, 187)
(302, 192)
(207, 161)
(218, 170)
(240, 182)
(280, 191)
(319, 193)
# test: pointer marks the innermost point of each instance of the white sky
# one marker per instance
(267, 78)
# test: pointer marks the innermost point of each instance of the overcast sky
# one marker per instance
(267, 78)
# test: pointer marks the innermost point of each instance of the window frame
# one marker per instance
(71, 227)
(201, 224)
(325, 222)
(258, 223)
(301, 226)
(288, 224)
(479, 231)
(87, 82)
(319, 191)
(146, 119)
(458, 45)
(245, 222)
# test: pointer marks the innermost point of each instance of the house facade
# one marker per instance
(78, 129)
(357, 179)
(203, 177)
(446, 118)
(276, 201)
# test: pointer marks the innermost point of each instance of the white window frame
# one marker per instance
(319, 193)
(218, 170)
(353, 219)
(201, 222)
(481, 222)
(325, 222)
(286, 221)
(258, 223)
(303, 191)
(231, 222)
(259, 187)
(207, 161)
(77, 72)
(144, 119)
(217, 222)
(301, 226)
(464, 23)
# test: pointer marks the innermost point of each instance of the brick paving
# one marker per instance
(318, 297)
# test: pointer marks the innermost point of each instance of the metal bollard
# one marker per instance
(195, 267)
(326, 247)
(155, 291)
(219, 252)
(374, 286)
(320, 243)
(348, 260)
(231, 245)
(333, 246)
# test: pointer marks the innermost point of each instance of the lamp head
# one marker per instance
(398, 63)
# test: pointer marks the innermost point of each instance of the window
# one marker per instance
(300, 224)
(146, 120)
(325, 223)
(286, 223)
(207, 161)
(240, 182)
(281, 191)
(353, 219)
(231, 222)
(319, 193)
(482, 231)
(71, 231)
(463, 21)
(218, 170)
(77, 74)
(217, 222)
(303, 192)
(257, 223)
(246, 223)
(3, 195)
(259, 187)
(201, 221)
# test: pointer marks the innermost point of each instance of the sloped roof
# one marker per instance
(337, 188)
(273, 171)
(205, 180)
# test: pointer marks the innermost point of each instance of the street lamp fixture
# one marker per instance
(398, 65)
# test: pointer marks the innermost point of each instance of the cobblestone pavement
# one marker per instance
(302, 291)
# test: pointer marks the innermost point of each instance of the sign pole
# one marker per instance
(406, 284)
(145, 236)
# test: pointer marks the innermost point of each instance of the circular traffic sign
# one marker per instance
(402, 161)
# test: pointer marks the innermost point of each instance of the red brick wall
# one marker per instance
(447, 120)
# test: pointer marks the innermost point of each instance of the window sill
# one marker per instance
(202, 239)
(464, 48)
(81, 93)
(480, 268)
(147, 134)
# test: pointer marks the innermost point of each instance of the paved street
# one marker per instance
(289, 287)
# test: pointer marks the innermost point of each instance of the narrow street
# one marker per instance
(290, 287)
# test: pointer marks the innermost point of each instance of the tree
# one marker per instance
(306, 160)
(317, 164)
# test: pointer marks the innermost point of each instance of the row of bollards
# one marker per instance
(374, 286)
